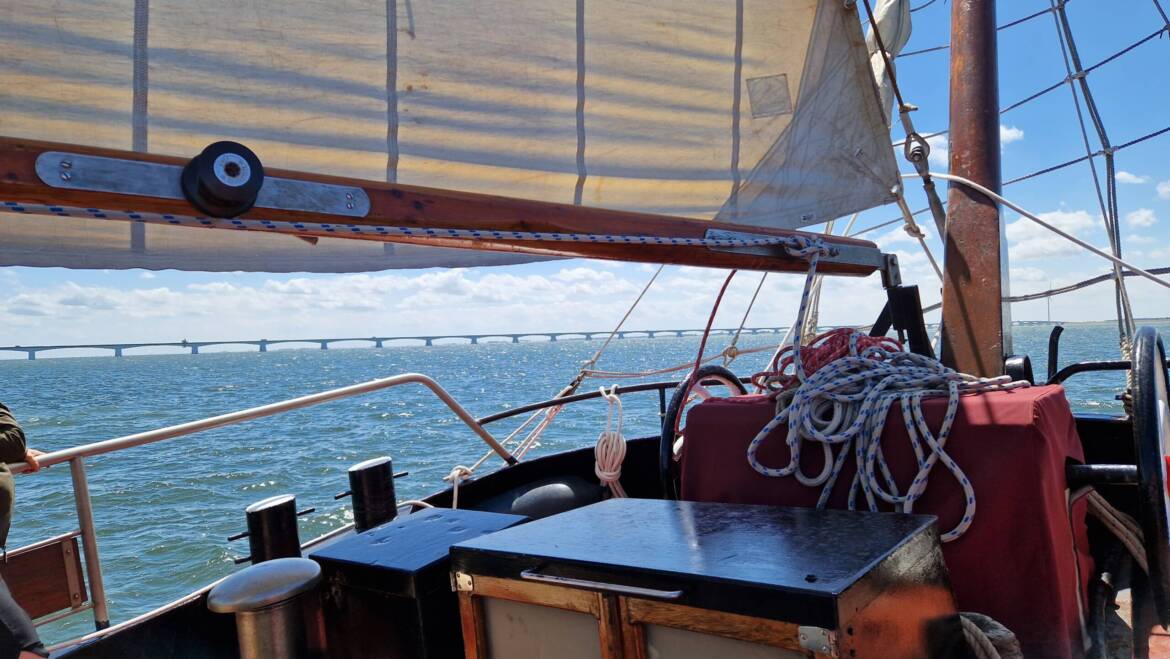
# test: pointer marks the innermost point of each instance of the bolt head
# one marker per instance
(65, 176)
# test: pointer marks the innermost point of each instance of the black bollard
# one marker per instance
(272, 528)
(371, 483)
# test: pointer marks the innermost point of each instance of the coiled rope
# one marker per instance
(840, 398)
(611, 445)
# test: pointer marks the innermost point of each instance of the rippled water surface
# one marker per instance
(164, 511)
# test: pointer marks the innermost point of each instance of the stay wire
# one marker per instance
(945, 46)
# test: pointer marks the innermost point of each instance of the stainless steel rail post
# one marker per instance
(93, 562)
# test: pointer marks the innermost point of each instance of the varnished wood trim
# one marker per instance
(609, 623)
(415, 206)
(729, 625)
(472, 622)
(633, 634)
(558, 597)
(46, 577)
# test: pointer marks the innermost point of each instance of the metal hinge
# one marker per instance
(461, 582)
(891, 273)
(818, 639)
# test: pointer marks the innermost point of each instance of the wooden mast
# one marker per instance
(975, 319)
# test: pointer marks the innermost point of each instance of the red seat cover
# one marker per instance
(1024, 560)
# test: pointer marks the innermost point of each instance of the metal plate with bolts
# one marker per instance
(74, 171)
(817, 639)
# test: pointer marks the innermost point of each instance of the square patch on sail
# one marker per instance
(768, 96)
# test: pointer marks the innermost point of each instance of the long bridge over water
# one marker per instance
(119, 349)
(193, 347)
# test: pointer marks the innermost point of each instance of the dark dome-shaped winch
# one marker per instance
(224, 180)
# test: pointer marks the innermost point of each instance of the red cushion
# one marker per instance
(1022, 561)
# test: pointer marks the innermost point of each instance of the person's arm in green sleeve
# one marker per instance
(13, 446)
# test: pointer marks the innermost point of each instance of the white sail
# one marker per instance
(751, 111)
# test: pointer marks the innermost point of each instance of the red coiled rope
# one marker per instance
(825, 348)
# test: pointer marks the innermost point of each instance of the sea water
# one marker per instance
(163, 512)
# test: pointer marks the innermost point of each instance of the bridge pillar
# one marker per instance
(475, 340)
(552, 338)
(194, 350)
(650, 335)
(678, 333)
(621, 335)
(515, 338)
(377, 343)
(588, 337)
(263, 346)
(430, 341)
(32, 354)
(117, 352)
(324, 345)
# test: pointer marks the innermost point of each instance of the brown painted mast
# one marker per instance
(975, 319)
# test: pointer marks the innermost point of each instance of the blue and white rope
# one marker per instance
(797, 243)
(845, 404)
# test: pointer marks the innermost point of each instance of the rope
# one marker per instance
(980, 645)
(1085, 283)
(280, 226)
(1121, 525)
(457, 475)
(843, 401)
(945, 46)
(630, 375)
(617, 328)
(1110, 212)
(711, 319)
(1031, 216)
(611, 446)
(911, 227)
(731, 351)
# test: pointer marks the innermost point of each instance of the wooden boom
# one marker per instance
(395, 205)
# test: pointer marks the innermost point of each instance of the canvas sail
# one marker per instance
(759, 112)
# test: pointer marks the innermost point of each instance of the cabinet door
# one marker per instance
(509, 619)
(659, 630)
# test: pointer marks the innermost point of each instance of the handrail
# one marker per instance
(170, 432)
(565, 400)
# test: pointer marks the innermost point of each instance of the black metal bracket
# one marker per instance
(903, 312)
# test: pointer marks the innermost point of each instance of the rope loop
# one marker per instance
(610, 451)
(458, 474)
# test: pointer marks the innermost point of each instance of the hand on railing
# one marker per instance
(30, 459)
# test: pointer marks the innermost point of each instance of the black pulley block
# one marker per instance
(224, 180)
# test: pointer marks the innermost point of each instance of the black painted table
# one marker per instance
(805, 566)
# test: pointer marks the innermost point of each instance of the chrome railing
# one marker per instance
(76, 458)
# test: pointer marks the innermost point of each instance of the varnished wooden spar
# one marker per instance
(393, 205)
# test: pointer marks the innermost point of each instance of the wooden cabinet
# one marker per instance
(690, 581)
(524, 620)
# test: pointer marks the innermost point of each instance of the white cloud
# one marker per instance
(1164, 190)
(1028, 274)
(1125, 177)
(940, 152)
(146, 274)
(1138, 239)
(1009, 134)
(1028, 240)
(1142, 217)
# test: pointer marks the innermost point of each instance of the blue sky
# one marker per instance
(64, 306)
